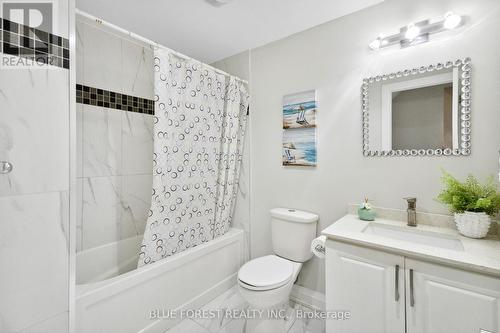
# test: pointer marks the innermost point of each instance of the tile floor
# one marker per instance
(231, 300)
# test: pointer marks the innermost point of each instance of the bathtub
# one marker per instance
(113, 296)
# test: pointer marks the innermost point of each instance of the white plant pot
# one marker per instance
(473, 225)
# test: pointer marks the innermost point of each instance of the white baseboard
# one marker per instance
(308, 297)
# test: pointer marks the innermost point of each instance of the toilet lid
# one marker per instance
(269, 272)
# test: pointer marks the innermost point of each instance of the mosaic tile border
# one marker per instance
(33, 44)
(109, 99)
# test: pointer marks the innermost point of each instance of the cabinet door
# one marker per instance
(442, 300)
(367, 283)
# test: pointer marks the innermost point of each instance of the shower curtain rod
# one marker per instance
(150, 42)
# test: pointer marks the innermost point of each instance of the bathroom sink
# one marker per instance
(415, 236)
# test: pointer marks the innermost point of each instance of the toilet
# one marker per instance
(266, 282)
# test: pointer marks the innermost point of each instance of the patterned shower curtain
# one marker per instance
(199, 128)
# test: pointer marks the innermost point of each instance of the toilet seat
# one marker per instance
(266, 273)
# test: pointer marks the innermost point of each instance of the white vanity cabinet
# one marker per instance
(450, 300)
(369, 284)
(432, 298)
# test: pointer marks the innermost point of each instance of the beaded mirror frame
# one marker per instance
(464, 66)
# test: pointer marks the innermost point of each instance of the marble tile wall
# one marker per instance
(34, 259)
(115, 147)
(34, 197)
(113, 62)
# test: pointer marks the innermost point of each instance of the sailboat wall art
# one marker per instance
(299, 129)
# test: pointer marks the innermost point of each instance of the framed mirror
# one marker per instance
(418, 112)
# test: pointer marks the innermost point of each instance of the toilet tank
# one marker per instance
(292, 232)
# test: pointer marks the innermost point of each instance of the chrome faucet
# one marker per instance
(411, 212)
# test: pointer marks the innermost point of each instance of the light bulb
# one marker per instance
(375, 45)
(451, 21)
(378, 43)
(412, 32)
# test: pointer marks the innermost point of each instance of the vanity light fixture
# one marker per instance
(419, 32)
(451, 20)
(412, 32)
(376, 44)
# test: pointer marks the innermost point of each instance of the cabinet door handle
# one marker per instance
(396, 284)
(412, 297)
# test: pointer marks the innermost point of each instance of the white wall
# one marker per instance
(334, 58)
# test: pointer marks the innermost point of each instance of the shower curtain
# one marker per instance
(199, 128)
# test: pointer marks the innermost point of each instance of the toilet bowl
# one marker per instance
(266, 282)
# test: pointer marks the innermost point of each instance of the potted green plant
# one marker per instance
(472, 203)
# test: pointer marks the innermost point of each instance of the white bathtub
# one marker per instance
(122, 302)
(107, 261)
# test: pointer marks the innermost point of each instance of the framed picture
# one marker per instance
(299, 129)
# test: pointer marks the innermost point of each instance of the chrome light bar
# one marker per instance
(418, 33)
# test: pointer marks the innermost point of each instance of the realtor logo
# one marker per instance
(28, 34)
(38, 15)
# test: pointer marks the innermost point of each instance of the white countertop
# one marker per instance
(480, 255)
